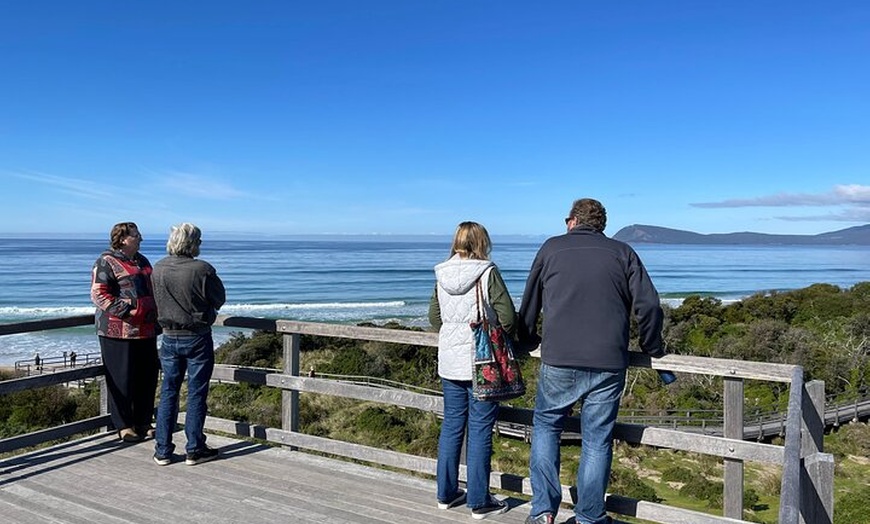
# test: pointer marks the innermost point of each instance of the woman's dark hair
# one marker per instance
(119, 232)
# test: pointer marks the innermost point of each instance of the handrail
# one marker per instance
(289, 380)
(66, 430)
(364, 379)
(42, 325)
(50, 379)
(53, 363)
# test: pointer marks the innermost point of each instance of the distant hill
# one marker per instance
(641, 234)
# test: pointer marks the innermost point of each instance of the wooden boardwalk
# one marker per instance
(98, 479)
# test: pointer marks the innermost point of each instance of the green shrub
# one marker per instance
(384, 427)
(701, 488)
(852, 507)
(625, 482)
(40, 408)
(851, 439)
(750, 498)
(34, 409)
(261, 349)
(246, 403)
(355, 361)
(696, 306)
(678, 474)
(377, 420)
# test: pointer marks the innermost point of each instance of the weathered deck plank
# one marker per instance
(97, 479)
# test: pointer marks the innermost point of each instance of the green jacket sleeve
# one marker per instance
(501, 302)
(435, 310)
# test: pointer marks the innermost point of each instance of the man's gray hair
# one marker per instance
(184, 240)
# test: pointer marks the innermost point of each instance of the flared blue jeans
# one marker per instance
(461, 410)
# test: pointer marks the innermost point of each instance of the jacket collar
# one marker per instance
(584, 230)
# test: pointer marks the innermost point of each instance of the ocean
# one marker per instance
(372, 279)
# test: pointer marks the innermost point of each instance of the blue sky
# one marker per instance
(406, 117)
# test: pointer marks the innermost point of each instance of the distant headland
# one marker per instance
(642, 234)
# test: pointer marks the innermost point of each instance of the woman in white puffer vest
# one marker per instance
(452, 309)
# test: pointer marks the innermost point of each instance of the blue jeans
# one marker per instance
(599, 392)
(460, 409)
(179, 355)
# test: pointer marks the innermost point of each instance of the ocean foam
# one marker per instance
(227, 309)
(37, 313)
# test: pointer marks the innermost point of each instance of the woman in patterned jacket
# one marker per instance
(126, 320)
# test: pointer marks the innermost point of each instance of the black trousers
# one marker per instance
(132, 367)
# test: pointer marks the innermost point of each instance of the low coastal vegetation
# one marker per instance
(823, 328)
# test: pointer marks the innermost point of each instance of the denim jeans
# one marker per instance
(460, 409)
(179, 355)
(598, 391)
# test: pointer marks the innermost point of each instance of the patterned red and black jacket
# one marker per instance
(121, 290)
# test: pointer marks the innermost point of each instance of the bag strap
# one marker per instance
(479, 298)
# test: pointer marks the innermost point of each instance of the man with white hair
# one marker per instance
(188, 294)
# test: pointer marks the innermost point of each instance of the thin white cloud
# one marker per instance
(854, 193)
(523, 183)
(841, 195)
(199, 186)
(72, 186)
(856, 214)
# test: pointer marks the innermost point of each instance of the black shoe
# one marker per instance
(201, 455)
(492, 507)
(455, 501)
(161, 460)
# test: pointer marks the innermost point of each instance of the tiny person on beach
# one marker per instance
(126, 321)
(451, 310)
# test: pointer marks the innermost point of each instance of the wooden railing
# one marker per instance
(807, 472)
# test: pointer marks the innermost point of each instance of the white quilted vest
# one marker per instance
(456, 280)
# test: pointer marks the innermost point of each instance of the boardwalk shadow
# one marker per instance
(240, 449)
(56, 457)
(50, 459)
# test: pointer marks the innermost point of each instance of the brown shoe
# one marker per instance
(129, 435)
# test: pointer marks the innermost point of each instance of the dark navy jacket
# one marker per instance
(588, 286)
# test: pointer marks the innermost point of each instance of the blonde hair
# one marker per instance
(184, 240)
(471, 241)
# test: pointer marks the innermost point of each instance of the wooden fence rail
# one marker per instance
(807, 487)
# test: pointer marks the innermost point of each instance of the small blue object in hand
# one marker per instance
(666, 376)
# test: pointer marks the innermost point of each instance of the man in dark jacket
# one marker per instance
(188, 294)
(588, 286)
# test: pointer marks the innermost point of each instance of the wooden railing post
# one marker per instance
(290, 399)
(733, 496)
(790, 491)
(817, 468)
